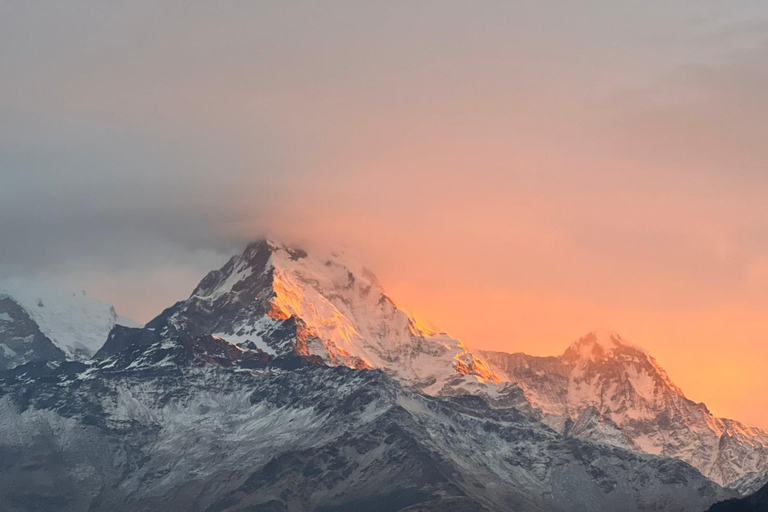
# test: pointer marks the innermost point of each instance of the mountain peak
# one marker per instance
(607, 389)
(320, 303)
(270, 245)
(600, 344)
(75, 323)
(271, 253)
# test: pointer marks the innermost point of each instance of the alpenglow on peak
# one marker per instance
(283, 300)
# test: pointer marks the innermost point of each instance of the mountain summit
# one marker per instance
(284, 300)
(600, 344)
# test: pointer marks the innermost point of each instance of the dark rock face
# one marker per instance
(757, 502)
(193, 423)
(121, 338)
(20, 338)
(247, 298)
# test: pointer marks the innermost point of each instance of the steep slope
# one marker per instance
(38, 322)
(604, 388)
(21, 340)
(194, 423)
(751, 482)
(284, 300)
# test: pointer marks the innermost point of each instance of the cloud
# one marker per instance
(501, 165)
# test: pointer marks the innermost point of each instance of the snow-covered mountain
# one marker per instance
(289, 381)
(39, 322)
(174, 422)
(283, 300)
(606, 389)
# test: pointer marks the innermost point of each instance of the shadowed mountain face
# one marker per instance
(194, 423)
(757, 502)
(606, 389)
(21, 340)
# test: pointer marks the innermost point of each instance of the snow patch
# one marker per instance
(8, 351)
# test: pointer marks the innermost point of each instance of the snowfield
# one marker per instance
(75, 323)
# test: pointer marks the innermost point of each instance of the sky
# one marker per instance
(518, 173)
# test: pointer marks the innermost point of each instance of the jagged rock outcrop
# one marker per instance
(21, 340)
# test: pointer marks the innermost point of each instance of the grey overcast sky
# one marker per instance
(501, 164)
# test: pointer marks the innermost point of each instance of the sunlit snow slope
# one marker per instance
(607, 389)
(284, 300)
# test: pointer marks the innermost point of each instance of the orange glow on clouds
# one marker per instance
(517, 289)
(517, 174)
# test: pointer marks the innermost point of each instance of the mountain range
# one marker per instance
(291, 381)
